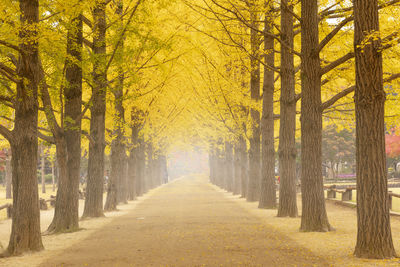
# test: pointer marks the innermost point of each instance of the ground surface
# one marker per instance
(192, 223)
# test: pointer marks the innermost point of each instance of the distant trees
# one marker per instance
(109, 83)
(338, 147)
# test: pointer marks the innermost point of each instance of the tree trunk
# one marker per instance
(149, 167)
(156, 171)
(287, 130)
(8, 174)
(25, 228)
(66, 214)
(42, 169)
(53, 177)
(244, 166)
(221, 171)
(122, 192)
(141, 168)
(211, 163)
(314, 217)
(134, 169)
(229, 166)
(116, 188)
(268, 186)
(374, 237)
(95, 181)
(113, 186)
(237, 170)
(254, 184)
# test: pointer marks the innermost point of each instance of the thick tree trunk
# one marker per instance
(53, 177)
(95, 181)
(374, 237)
(8, 174)
(131, 175)
(237, 185)
(149, 167)
(66, 214)
(221, 169)
(211, 164)
(156, 171)
(244, 166)
(141, 168)
(117, 182)
(287, 130)
(229, 166)
(113, 186)
(25, 228)
(254, 184)
(42, 169)
(134, 169)
(122, 192)
(314, 217)
(268, 186)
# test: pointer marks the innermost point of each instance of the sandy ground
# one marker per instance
(192, 223)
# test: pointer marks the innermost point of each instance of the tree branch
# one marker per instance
(7, 44)
(6, 133)
(350, 89)
(329, 37)
(121, 38)
(337, 62)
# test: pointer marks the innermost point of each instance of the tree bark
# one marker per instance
(53, 177)
(42, 169)
(25, 228)
(244, 166)
(237, 185)
(254, 183)
(141, 168)
(374, 237)
(68, 145)
(95, 181)
(268, 186)
(228, 166)
(132, 176)
(117, 183)
(149, 167)
(211, 163)
(134, 187)
(314, 217)
(221, 169)
(287, 130)
(8, 174)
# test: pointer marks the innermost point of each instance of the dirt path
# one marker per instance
(185, 223)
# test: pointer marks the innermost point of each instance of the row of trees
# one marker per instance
(134, 78)
(337, 57)
(63, 71)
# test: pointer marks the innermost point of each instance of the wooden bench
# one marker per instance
(9, 208)
(347, 194)
(390, 198)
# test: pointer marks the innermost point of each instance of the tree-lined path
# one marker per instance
(186, 223)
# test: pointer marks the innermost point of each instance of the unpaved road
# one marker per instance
(185, 223)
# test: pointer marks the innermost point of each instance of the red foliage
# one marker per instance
(392, 145)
